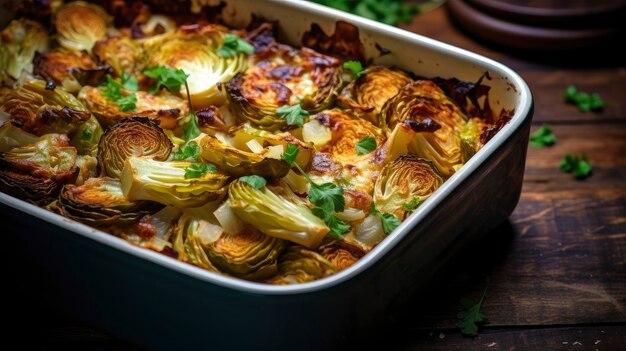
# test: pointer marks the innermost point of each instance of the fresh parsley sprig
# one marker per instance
(234, 44)
(365, 145)
(390, 222)
(355, 67)
(579, 165)
(112, 91)
(189, 152)
(542, 137)
(254, 181)
(197, 170)
(585, 102)
(294, 114)
(413, 204)
(173, 80)
(471, 317)
(327, 197)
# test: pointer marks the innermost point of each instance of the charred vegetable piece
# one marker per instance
(404, 184)
(164, 107)
(342, 253)
(135, 136)
(120, 52)
(80, 25)
(236, 162)
(165, 182)
(367, 94)
(41, 111)
(299, 265)
(12, 136)
(69, 69)
(193, 48)
(100, 202)
(20, 41)
(285, 77)
(275, 215)
(424, 103)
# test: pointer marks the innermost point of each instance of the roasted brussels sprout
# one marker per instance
(134, 136)
(165, 182)
(80, 25)
(41, 111)
(347, 130)
(190, 234)
(164, 107)
(100, 202)
(423, 101)
(342, 254)
(299, 265)
(120, 52)
(239, 163)
(367, 94)
(193, 49)
(69, 69)
(276, 216)
(36, 172)
(87, 137)
(285, 77)
(12, 136)
(404, 184)
(20, 41)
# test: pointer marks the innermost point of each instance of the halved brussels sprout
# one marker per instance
(153, 25)
(287, 76)
(244, 134)
(210, 120)
(69, 69)
(188, 240)
(87, 137)
(36, 172)
(423, 101)
(471, 140)
(80, 25)
(134, 136)
(12, 136)
(367, 94)
(347, 130)
(193, 49)
(299, 265)
(164, 182)
(404, 184)
(100, 202)
(239, 163)
(342, 253)
(120, 52)
(87, 168)
(41, 111)
(276, 216)
(20, 41)
(164, 107)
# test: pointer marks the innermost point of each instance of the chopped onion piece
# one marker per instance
(351, 214)
(227, 219)
(315, 132)
(163, 220)
(275, 151)
(370, 231)
(208, 232)
(254, 146)
(296, 182)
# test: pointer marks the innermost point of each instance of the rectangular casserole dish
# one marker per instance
(160, 303)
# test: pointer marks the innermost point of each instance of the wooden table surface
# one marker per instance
(556, 272)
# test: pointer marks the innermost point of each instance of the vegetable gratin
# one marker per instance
(223, 147)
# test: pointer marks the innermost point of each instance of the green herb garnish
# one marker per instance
(579, 165)
(355, 67)
(254, 181)
(585, 102)
(129, 82)
(197, 170)
(169, 78)
(413, 204)
(294, 114)
(542, 137)
(365, 145)
(471, 317)
(234, 44)
(390, 222)
(112, 90)
(387, 11)
(189, 152)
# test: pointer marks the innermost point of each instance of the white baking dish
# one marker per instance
(161, 303)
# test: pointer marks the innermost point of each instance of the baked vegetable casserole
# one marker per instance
(222, 147)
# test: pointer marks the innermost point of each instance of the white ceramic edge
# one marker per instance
(521, 113)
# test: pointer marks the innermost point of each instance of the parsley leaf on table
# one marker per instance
(355, 67)
(542, 137)
(471, 317)
(190, 152)
(294, 114)
(234, 44)
(585, 102)
(365, 145)
(389, 221)
(579, 165)
(254, 181)
(197, 170)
